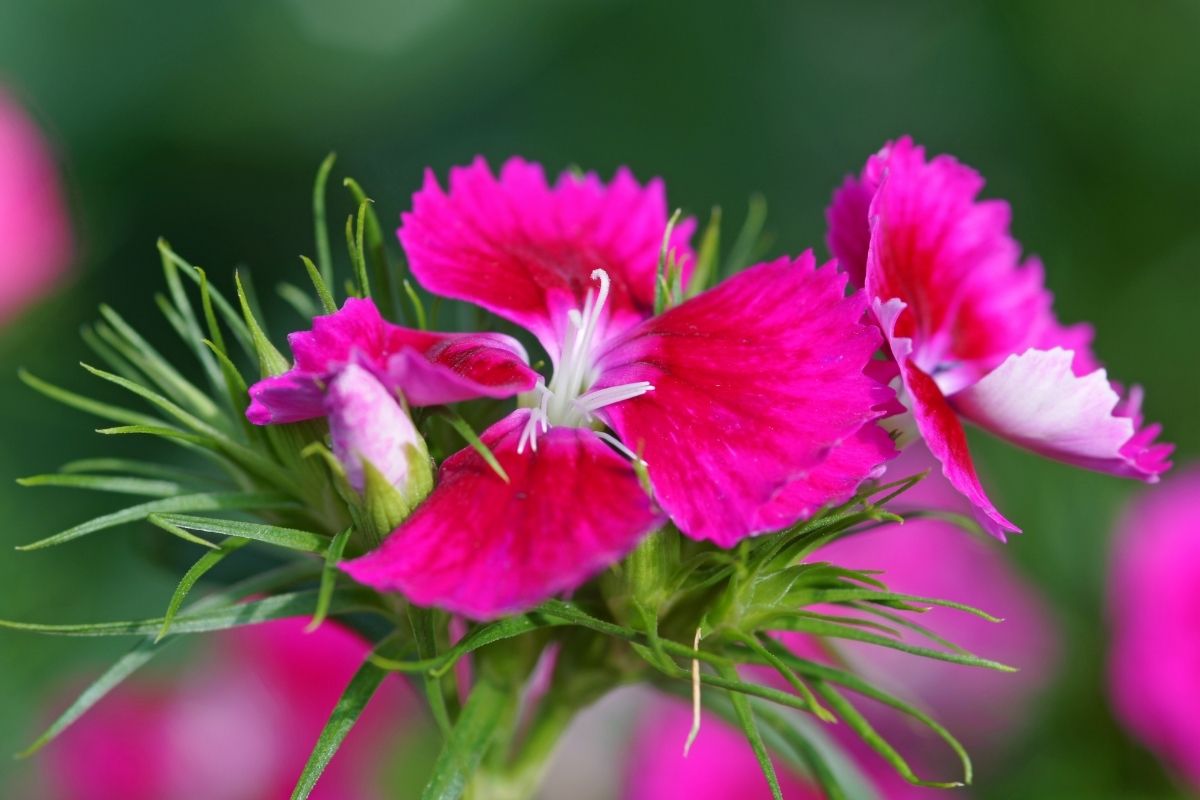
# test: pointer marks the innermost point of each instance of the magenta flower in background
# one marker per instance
(1154, 605)
(972, 329)
(984, 709)
(35, 234)
(719, 766)
(738, 399)
(238, 725)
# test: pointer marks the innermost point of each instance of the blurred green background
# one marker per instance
(204, 123)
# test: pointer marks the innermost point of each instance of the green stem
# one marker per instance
(523, 775)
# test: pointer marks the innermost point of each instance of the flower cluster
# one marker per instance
(662, 494)
(748, 406)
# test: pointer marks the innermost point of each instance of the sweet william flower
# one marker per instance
(353, 367)
(971, 326)
(748, 403)
(1154, 608)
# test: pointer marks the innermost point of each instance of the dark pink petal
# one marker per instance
(848, 232)
(970, 301)
(834, 480)
(946, 439)
(482, 547)
(756, 383)
(427, 367)
(1037, 401)
(938, 423)
(526, 250)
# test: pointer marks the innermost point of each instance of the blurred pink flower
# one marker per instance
(238, 726)
(1154, 600)
(983, 708)
(35, 236)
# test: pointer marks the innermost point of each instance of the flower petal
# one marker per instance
(427, 367)
(849, 234)
(1037, 401)
(755, 383)
(366, 424)
(484, 547)
(526, 250)
(952, 261)
(938, 423)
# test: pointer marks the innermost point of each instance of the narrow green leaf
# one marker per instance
(468, 434)
(146, 469)
(156, 399)
(291, 538)
(236, 325)
(859, 724)
(385, 294)
(105, 483)
(100, 347)
(322, 288)
(298, 299)
(210, 318)
(159, 370)
(201, 501)
(280, 606)
(349, 708)
(706, 257)
(780, 666)
(329, 576)
(661, 290)
(745, 720)
(815, 596)
(749, 237)
(197, 571)
(418, 306)
(469, 739)
(190, 331)
(358, 258)
(147, 649)
(422, 622)
(861, 686)
(270, 360)
(187, 536)
(324, 256)
(823, 628)
(94, 407)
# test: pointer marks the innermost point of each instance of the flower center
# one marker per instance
(568, 400)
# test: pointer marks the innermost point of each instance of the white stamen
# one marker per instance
(567, 400)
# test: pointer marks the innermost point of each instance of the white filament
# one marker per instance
(567, 401)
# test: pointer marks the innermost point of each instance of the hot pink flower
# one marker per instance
(971, 327)
(35, 236)
(732, 398)
(240, 726)
(1154, 604)
(427, 368)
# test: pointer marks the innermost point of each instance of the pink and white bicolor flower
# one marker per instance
(971, 327)
(354, 367)
(748, 403)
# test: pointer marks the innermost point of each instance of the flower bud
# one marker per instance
(384, 457)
